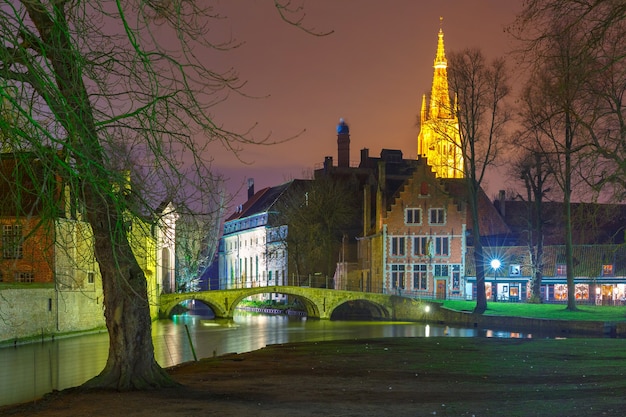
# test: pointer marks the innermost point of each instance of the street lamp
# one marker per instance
(495, 264)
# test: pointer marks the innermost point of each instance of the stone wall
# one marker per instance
(44, 312)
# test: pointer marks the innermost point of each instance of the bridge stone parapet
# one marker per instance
(318, 302)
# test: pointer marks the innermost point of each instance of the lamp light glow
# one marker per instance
(495, 263)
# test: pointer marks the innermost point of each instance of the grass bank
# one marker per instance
(545, 311)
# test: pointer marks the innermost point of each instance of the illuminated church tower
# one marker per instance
(439, 139)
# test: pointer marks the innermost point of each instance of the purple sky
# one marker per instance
(372, 71)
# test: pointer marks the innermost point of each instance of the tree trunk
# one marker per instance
(567, 194)
(479, 257)
(131, 364)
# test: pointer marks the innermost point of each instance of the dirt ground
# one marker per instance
(383, 377)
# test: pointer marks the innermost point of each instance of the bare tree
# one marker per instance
(605, 87)
(561, 57)
(196, 245)
(533, 171)
(110, 87)
(318, 214)
(480, 88)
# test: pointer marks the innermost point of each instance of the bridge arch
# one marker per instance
(319, 302)
(360, 308)
(310, 305)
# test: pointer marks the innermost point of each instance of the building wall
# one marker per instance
(73, 299)
(36, 260)
(424, 240)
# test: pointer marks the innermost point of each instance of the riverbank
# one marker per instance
(379, 377)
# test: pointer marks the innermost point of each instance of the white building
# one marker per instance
(253, 250)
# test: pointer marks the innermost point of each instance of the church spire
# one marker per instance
(439, 140)
(440, 96)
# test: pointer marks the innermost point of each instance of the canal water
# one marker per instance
(29, 371)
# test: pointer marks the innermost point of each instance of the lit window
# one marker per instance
(413, 216)
(397, 276)
(397, 246)
(607, 270)
(420, 277)
(456, 277)
(561, 270)
(442, 246)
(436, 216)
(420, 246)
(515, 270)
(442, 270)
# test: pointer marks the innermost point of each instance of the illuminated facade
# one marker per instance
(439, 140)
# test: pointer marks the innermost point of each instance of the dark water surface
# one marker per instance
(29, 371)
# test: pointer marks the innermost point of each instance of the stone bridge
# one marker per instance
(319, 302)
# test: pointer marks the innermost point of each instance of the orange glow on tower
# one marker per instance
(439, 140)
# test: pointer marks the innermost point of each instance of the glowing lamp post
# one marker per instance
(495, 265)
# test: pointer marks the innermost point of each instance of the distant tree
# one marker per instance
(558, 103)
(605, 87)
(196, 244)
(318, 214)
(533, 171)
(106, 88)
(480, 88)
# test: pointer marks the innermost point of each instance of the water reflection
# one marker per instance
(30, 371)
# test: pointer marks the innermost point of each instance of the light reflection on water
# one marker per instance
(29, 371)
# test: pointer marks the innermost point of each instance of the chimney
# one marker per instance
(250, 188)
(328, 164)
(365, 155)
(381, 200)
(343, 144)
(502, 199)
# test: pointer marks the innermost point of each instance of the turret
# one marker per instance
(343, 144)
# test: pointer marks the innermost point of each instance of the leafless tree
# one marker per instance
(534, 172)
(559, 45)
(107, 88)
(318, 214)
(480, 88)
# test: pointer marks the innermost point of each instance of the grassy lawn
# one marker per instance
(546, 311)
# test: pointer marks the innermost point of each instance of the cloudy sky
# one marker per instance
(372, 71)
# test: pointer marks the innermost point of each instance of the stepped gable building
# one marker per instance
(439, 140)
(393, 188)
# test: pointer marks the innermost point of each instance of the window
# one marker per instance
(12, 241)
(420, 277)
(436, 216)
(607, 270)
(442, 246)
(397, 276)
(561, 270)
(456, 277)
(420, 246)
(397, 246)
(413, 216)
(90, 277)
(442, 270)
(515, 270)
(24, 277)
